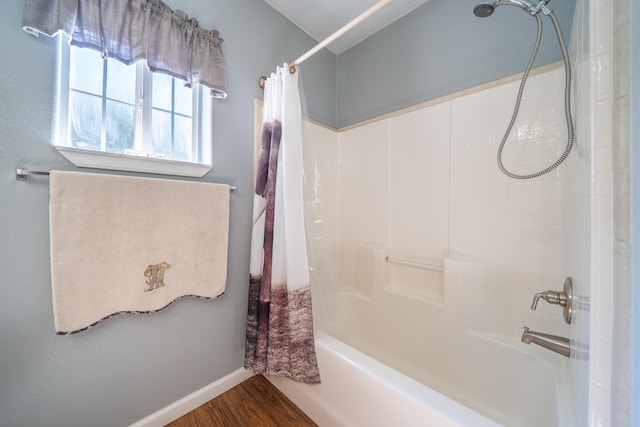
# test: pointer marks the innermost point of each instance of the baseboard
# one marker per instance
(199, 397)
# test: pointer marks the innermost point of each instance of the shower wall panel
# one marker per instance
(419, 200)
(364, 195)
(424, 186)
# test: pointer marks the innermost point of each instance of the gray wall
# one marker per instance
(635, 211)
(440, 48)
(131, 365)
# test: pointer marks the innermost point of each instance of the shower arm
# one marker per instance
(541, 7)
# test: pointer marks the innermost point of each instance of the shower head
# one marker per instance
(484, 10)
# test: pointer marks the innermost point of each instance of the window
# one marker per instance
(117, 116)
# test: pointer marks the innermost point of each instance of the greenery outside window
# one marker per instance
(116, 116)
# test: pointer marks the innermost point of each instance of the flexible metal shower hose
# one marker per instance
(567, 102)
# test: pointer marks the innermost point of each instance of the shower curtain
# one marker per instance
(279, 338)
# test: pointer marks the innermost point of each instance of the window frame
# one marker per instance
(88, 158)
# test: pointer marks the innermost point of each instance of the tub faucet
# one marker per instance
(552, 342)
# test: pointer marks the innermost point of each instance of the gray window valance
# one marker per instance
(131, 30)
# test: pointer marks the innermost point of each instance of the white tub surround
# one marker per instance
(422, 186)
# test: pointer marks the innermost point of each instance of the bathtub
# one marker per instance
(358, 390)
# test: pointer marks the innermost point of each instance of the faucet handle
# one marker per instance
(536, 298)
(563, 298)
(552, 297)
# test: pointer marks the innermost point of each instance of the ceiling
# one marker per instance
(321, 18)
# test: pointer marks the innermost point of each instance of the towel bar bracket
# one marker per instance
(22, 173)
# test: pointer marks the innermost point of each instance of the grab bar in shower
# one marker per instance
(416, 264)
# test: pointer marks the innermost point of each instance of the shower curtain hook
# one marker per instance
(263, 79)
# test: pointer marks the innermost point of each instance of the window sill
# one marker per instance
(112, 161)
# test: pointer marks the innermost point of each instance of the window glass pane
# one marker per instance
(104, 113)
(161, 133)
(85, 72)
(183, 99)
(120, 126)
(85, 117)
(161, 95)
(182, 145)
(121, 81)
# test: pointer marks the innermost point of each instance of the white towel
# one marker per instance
(124, 244)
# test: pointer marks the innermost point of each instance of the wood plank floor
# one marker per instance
(253, 403)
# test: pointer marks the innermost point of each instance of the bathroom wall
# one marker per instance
(438, 49)
(595, 179)
(578, 253)
(621, 361)
(421, 185)
(594, 204)
(599, 240)
(634, 158)
(131, 365)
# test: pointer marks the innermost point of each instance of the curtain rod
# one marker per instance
(353, 23)
(22, 173)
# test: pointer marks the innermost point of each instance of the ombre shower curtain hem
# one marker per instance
(279, 339)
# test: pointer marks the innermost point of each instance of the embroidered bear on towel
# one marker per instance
(155, 275)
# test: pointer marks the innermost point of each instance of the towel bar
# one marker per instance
(22, 173)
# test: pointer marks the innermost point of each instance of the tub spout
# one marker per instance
(552, 342)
